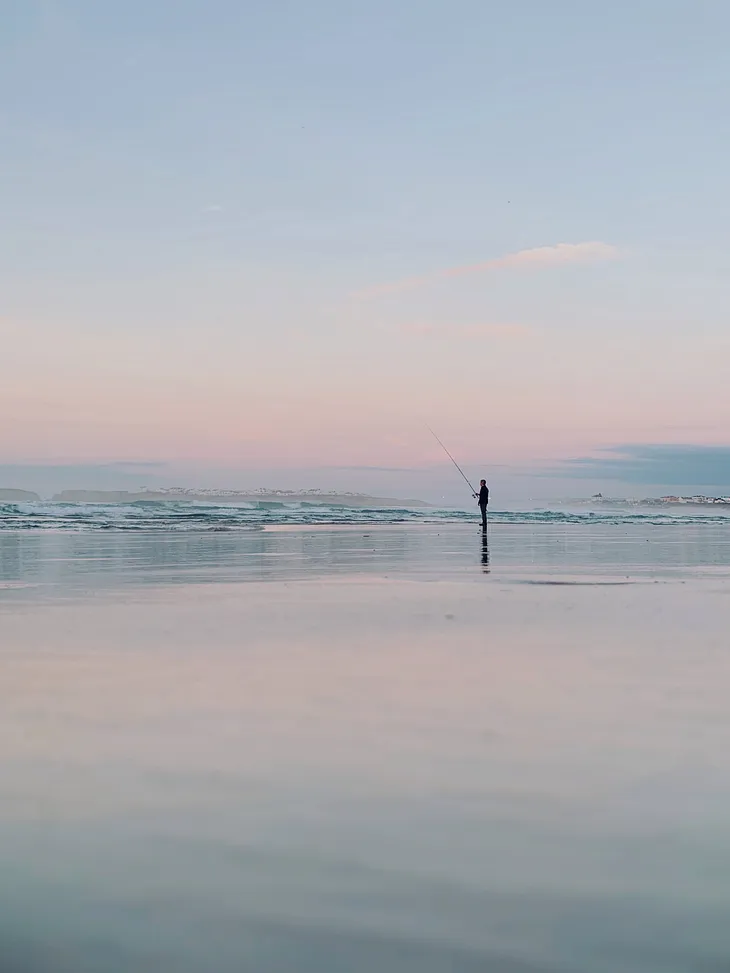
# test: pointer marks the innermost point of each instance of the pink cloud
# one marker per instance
(477, 330)
(559, 254)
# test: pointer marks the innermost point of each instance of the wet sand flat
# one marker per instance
(403, 758)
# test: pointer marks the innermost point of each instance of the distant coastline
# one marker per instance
(667, 501)
(18, 496)
(182, 494)
(316, 498)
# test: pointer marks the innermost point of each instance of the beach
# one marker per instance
(360, 747)
(364, 487)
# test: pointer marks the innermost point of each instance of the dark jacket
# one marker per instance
(483, 496)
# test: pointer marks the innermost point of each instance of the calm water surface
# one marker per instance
(366, 749)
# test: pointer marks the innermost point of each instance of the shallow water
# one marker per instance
(62, 562)
(317, 750)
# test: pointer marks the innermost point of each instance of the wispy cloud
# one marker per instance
(478, 330)
(559, 254)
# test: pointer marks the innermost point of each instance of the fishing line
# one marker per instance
(474, 492)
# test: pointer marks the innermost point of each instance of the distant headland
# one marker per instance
(18, 496)
(182, 494)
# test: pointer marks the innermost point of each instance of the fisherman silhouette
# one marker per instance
(483, 501)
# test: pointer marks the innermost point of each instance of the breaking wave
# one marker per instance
(188, 516)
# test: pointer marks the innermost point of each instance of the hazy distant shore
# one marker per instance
(231, 496)
(314, 497)
(18, 496)
(667, 501)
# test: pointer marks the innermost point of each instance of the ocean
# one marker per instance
(153, 515)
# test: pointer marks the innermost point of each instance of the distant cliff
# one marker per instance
(356, 500)
(18, 496)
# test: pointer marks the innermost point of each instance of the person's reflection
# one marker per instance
(485, 552)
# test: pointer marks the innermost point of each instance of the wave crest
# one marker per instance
(181, 516)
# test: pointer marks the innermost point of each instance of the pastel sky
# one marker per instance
(246, 236)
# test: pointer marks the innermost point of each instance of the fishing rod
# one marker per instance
(474, 493)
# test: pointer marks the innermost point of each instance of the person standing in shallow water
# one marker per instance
(483, 500)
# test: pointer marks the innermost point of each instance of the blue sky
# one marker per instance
(208, 211)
